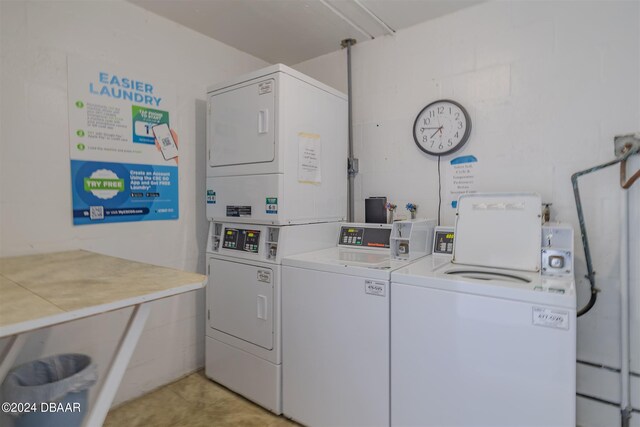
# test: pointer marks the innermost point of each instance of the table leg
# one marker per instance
(116, 370)
(10, 353)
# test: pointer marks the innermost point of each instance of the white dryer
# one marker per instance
(488, 339)
(335, 313)
(276, 149)
(243, 342)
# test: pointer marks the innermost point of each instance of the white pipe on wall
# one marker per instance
(625, 379)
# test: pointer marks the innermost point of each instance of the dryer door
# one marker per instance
(240, 300)
(242, 125)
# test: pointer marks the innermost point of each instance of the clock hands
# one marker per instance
(437, 130)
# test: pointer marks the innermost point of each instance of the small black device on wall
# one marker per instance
(375, 210)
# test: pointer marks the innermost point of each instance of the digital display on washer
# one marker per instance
(241, 240)
(375, 237)
(443, 242)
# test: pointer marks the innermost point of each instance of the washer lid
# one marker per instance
(499, 230)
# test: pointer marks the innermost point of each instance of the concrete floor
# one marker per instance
(193, 401)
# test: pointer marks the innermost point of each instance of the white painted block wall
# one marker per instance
(35, 188)
(547, 85)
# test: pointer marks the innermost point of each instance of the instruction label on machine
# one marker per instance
(558, 319)
(271, 205)
(264, 276)
(265, 87)
(211, 197)
(375, 288)
(309, 158)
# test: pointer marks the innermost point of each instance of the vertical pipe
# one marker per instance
(625, 399)
(350, 101)
(352, 171)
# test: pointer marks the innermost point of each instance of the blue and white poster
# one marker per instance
(119, 170)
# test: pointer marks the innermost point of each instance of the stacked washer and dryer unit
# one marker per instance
(276, 186)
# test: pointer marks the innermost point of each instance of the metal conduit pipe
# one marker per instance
(583, 228)
(352, 163)
(627, 146)
(625, 355)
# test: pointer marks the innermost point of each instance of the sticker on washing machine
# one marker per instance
(375, 288)
(549, 318)
(265, 87)
(211, 197)
(271, 205)
(264, 276)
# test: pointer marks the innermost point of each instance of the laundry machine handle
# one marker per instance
(262, 307)
(263, 121)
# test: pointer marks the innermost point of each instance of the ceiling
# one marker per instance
(292, 31)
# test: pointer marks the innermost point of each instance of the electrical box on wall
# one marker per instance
(277, 149)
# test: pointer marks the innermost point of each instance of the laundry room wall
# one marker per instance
(35, 187)
(547, 85)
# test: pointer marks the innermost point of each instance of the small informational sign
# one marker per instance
(118, 173)
(265, 87)
(309, 158)
(549, 318)
(211, 197)
(372, 287)
(264, 276)
(271, 205)
(238, 211)
(462, 178)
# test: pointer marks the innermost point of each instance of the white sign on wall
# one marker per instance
(462, 178)
(309, 158)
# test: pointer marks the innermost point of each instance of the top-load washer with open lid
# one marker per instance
(489, 338)
(276, 149)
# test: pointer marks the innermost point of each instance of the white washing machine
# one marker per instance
(488, 339)
(335, 313)
(243, 341)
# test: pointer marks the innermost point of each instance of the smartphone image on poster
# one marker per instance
(168, 146)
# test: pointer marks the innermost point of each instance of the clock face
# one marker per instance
(442, 127)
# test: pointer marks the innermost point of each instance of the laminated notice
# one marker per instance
(309, 158)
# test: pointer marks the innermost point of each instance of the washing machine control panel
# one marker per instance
(443, 240)
(367, 237)
(241, 240)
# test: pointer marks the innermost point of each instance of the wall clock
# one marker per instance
(442, 127)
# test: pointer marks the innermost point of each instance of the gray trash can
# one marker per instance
(57, 387)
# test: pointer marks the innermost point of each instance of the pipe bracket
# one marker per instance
(353, 166)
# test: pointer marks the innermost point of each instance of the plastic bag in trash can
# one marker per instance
(50, 380)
